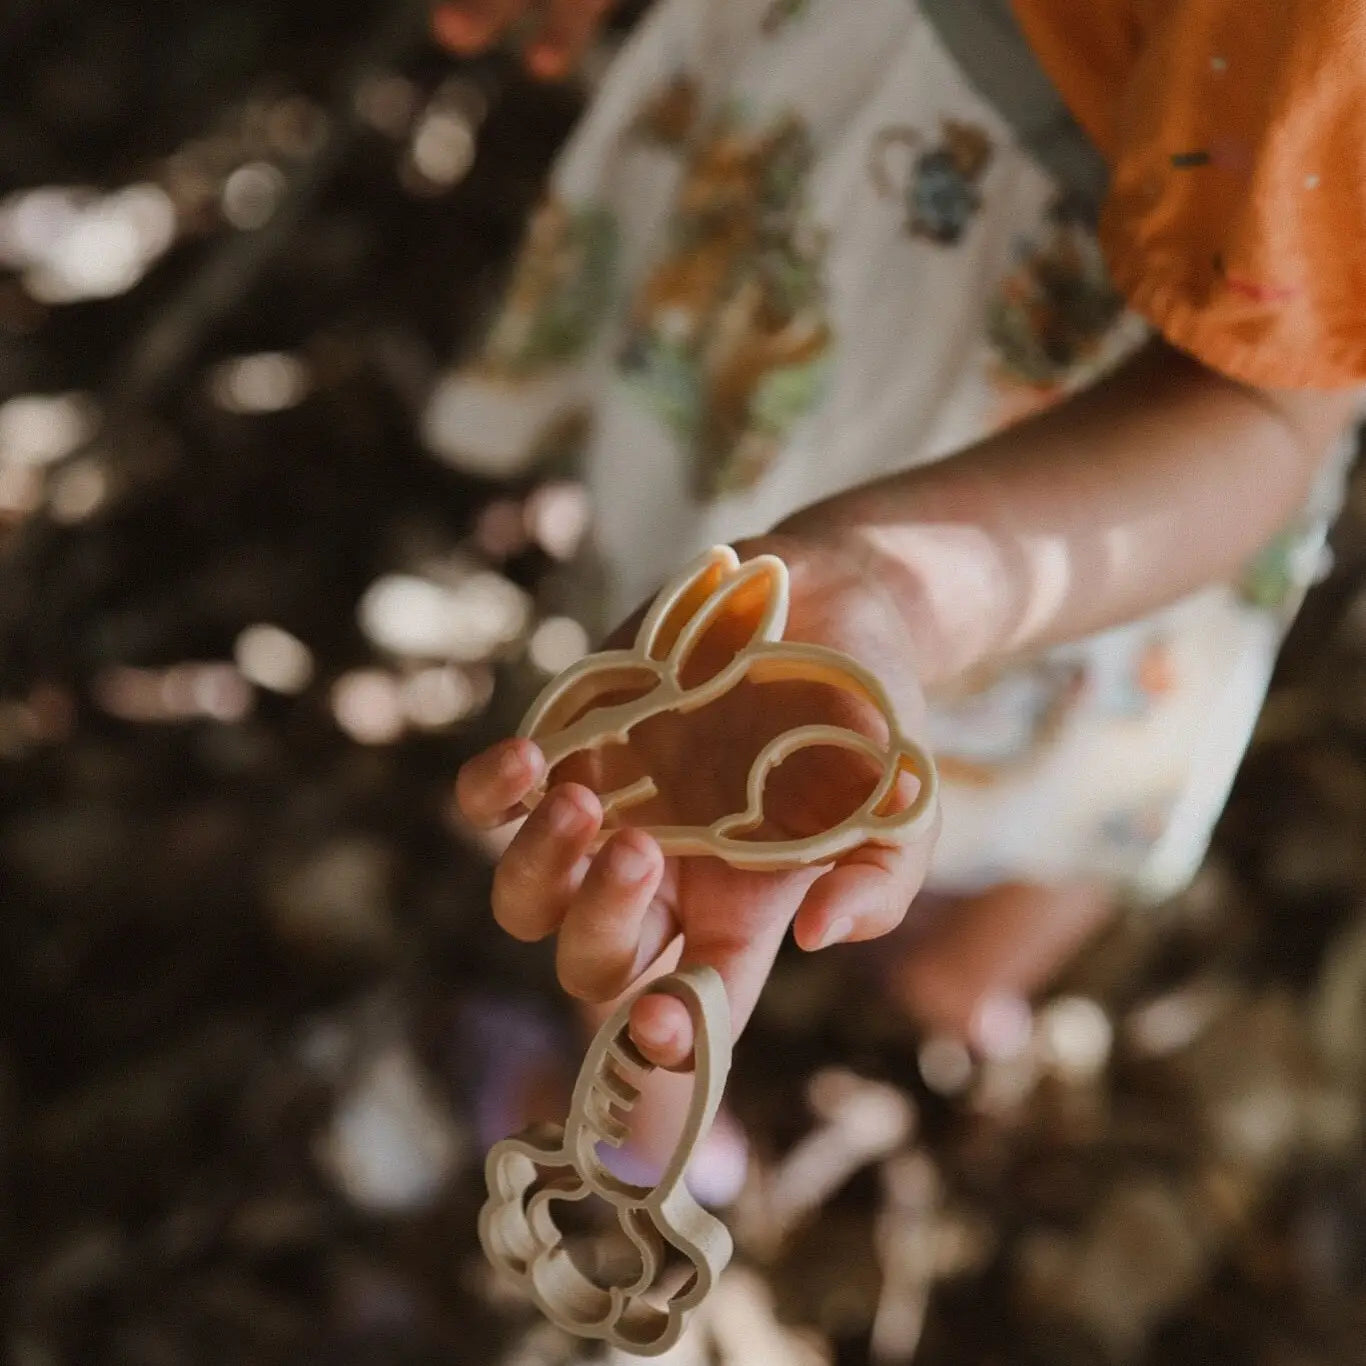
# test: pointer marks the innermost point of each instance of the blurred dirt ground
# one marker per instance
(245, 958)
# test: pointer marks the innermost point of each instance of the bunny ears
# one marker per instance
(582, 710)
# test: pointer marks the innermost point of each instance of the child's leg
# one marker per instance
(965, 972)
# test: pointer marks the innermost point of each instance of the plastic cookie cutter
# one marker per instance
(596, 703)
(582, 711)
(529, 1176)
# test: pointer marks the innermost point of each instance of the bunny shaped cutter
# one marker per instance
(582, 711)
(579, 712)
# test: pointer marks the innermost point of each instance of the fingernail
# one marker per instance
(838, 932)
(626, 863)
(519, 763)
(566, 815)
(653, 1036)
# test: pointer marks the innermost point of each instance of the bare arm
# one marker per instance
(1162, 479)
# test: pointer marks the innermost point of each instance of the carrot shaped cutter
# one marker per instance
(529, 1176)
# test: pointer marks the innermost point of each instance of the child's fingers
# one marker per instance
(568, 29)
(661, 1026)
(662, 1030)
(865, 896)
(467, 26)
(599, 949)
(490, 786)
(544, 865)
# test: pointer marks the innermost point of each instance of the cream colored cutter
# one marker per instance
(566, 720)
(528, 1176)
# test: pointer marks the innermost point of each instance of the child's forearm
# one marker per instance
(1162, 479)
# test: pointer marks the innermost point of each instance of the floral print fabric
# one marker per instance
(727, 334)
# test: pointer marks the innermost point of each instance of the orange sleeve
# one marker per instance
(1236, 136)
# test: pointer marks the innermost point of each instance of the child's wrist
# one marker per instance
(845, 566)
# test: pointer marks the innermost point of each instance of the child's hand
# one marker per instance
(560, 36)
(616, 912)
